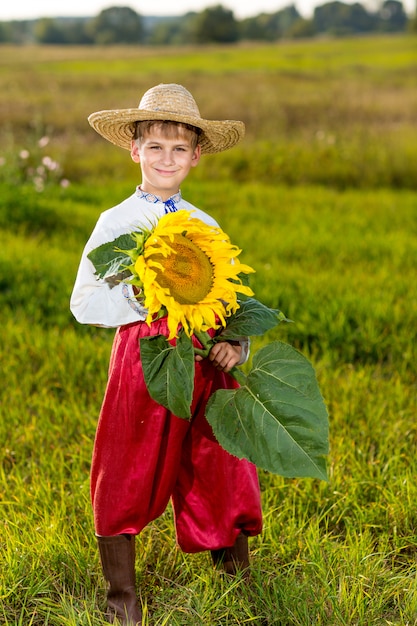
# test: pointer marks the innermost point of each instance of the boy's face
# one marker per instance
(165, 161)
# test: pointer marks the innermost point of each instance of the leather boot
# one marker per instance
(117, 556)
(235, 559)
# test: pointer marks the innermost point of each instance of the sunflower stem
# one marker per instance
(206, 341)
(238, 375)
(200, 352)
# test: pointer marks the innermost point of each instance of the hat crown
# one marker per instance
(167, 102)
(170, 98)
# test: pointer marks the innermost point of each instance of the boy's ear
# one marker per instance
(196, 156)
(134, 151)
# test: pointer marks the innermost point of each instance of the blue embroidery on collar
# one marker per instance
(169, 205)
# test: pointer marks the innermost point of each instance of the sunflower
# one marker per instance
(190, 271)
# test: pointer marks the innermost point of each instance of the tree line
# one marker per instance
(215, 24)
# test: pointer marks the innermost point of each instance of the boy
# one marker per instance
(143, 455)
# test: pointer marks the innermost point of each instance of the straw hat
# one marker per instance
(172, 103)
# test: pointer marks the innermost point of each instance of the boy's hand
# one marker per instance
(224, 355)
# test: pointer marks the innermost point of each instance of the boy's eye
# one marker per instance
(176, 148)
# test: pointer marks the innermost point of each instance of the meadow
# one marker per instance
(322, 198)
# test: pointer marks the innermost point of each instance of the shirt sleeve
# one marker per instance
(245, 345)
(93, 300)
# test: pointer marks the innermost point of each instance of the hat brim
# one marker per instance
(118, 127)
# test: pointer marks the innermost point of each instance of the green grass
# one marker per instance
(337, 258)
(382, 52)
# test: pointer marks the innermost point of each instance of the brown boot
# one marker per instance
(117, 556)
(235, 559)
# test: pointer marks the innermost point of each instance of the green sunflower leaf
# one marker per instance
(251, 318)
(277, 419)
(110, 258)
(169, 372)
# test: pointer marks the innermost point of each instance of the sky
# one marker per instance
(28, 9)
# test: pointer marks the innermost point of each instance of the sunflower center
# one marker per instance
(187, 273)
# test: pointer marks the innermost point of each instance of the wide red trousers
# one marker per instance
(144, 455)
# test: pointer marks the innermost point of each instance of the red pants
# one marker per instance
(143, 456)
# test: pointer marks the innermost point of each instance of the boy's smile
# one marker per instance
(165, 161)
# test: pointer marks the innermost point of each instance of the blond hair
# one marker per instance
(169, 129)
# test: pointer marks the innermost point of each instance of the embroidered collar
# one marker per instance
(170, 204)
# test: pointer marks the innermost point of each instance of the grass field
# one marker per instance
(322, 198)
